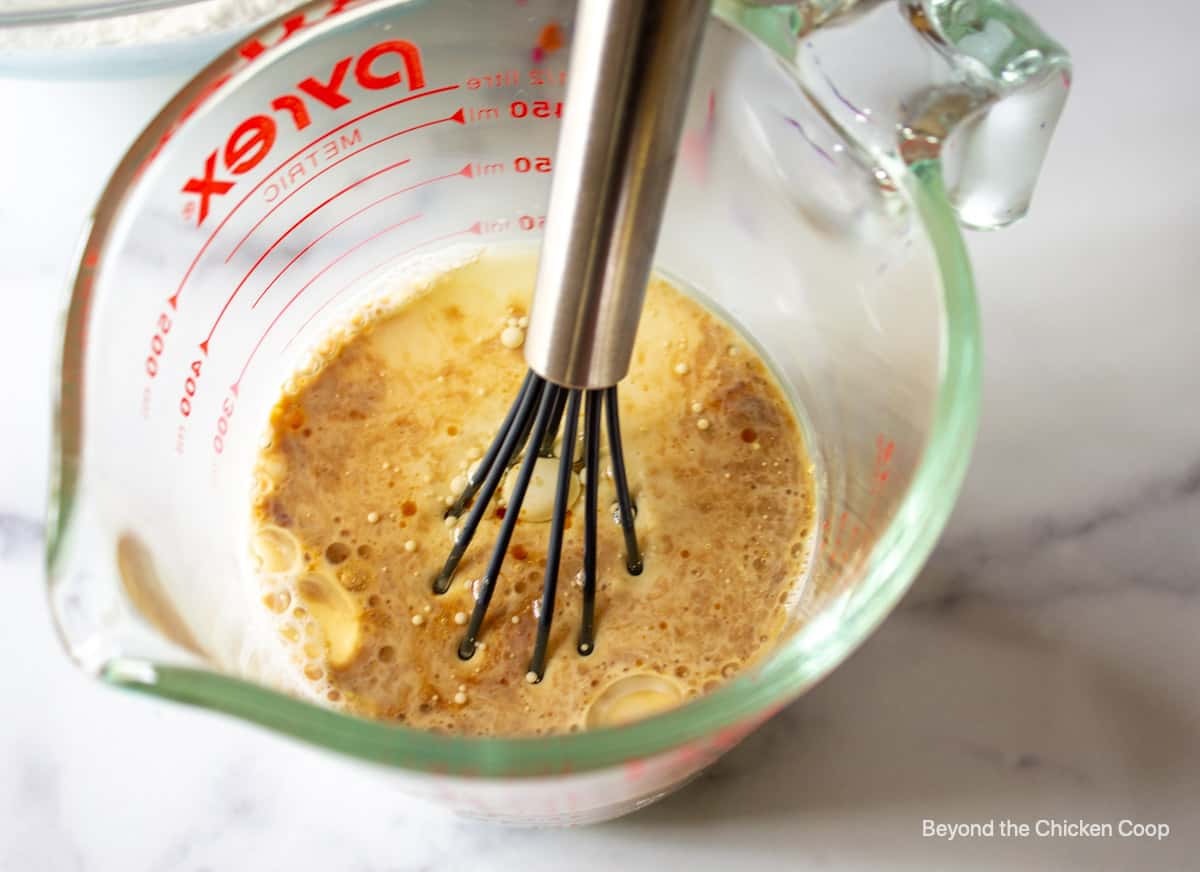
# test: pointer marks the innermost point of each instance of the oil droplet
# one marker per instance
(632, 698)
(276, 549)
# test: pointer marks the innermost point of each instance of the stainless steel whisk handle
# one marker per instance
(630, 72)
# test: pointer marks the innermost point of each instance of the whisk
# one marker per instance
(630, 70)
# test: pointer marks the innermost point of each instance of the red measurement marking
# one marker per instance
(457, 116)
(304, 218)
(349, 251)
(521, 109)
(174, 298)
(300, 186)
(475, 228)
(315, 176)
(464, 172)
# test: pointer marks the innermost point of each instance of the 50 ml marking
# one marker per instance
(522, 164)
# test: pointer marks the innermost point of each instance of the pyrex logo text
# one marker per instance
(252, 140)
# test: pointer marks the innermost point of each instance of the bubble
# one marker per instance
(337, 553)
(512, 337)
(276, 549)
(615, 509)
(278, 601)
(387, 654)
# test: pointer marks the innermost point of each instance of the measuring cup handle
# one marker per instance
(985, 109)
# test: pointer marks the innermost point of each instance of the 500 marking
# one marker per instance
(157, 343)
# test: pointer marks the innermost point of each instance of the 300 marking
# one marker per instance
(223, 424)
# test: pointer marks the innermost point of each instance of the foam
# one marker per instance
(376, 431)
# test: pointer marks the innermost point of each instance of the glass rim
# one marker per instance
(891, 567)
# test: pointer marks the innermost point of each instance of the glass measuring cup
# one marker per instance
(812, 203)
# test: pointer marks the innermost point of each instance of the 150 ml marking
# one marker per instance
(517, 109)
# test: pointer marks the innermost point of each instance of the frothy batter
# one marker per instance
(366, 453)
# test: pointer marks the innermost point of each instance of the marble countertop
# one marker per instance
(1043, 667)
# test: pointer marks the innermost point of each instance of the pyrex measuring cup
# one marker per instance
(274, 194)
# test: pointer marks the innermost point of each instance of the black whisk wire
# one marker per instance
(526, 401)
(625, 506)
(476, 476)
(512, 511)
(537, 665)
(591, 497)
(560, 403)
(527, 433)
